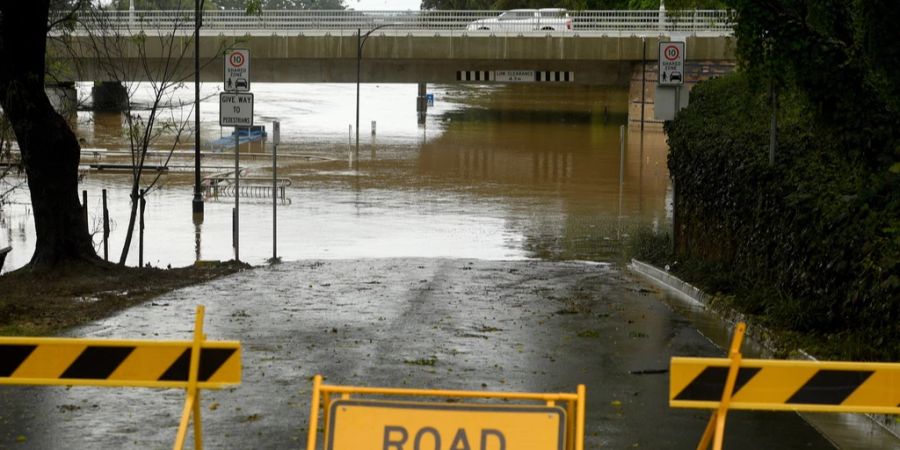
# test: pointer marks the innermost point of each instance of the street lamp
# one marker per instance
(198, 196)
(360, 41)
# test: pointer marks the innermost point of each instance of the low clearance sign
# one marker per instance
(388, 425)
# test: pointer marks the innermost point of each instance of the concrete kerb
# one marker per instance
(845, 431)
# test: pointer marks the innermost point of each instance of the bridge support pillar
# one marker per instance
(109, 96)
(421, 102)
(63, 97)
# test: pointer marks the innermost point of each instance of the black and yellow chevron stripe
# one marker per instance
(164, 364)
(787, 385)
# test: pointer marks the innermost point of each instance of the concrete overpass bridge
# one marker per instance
(407, 47)
(612, 48)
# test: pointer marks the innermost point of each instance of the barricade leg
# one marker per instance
(326, 406)
(715, 429)
(198, 423)
(314, 413)
(579, 424)
(192, 403)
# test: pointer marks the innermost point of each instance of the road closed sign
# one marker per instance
(235, 110)
(671, 63)
(237, 70)
(391, 425)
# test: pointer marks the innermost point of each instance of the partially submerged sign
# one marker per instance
(671, 63)
(235, 110)
(393, 425)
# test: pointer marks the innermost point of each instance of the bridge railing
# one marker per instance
(583, 22)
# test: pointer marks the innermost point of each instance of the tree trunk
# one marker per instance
(129, 231)
(50, 151)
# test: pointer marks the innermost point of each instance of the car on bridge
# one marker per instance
(547, 19)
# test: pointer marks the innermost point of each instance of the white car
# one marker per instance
(547, 19)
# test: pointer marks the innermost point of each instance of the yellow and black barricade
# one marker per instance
(779, 385)
(356, 423)
(190, 365)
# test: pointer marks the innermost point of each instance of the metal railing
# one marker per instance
(706, 22)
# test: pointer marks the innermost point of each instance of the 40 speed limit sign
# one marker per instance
(235, 110)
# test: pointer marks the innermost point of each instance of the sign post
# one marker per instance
(276, 139)
(236, 110)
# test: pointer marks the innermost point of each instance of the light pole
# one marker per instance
(198, 196)
(360, 41)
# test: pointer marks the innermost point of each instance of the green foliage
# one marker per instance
(839, 54)
(812, 243)
(650, 247)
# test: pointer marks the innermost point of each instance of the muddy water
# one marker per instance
(496, 172)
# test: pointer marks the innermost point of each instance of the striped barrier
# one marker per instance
(355, 424)
(753, 384)
(516, 76)
(189, 365)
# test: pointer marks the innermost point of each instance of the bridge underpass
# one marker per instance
(604, 48)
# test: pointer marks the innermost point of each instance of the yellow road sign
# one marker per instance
(94, 362)
(787, 385)
(393, 425)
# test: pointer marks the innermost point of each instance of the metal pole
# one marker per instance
(237, 194)
(143, 203)
(358, 59)
(198, 197)
(276, 132)
(621, 173)
(84, 208)
(643, 81)
(105, 228)
(350, 145)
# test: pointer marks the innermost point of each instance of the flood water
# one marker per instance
(496, 172)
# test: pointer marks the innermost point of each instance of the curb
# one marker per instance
(845, 431)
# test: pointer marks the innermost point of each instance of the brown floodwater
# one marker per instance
(495, 173)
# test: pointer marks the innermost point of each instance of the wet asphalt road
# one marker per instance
(509, 326)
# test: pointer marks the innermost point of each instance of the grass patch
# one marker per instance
(41, 304)
(430, 362)
(588, 334)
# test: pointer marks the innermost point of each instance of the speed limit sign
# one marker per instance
(671, 63)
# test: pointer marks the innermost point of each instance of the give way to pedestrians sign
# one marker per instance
(235, 110)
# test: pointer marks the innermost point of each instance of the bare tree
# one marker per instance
(7, 164)
(149, 55)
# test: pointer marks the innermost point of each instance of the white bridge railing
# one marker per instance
(700, 22)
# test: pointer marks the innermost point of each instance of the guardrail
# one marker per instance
(714, 22)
